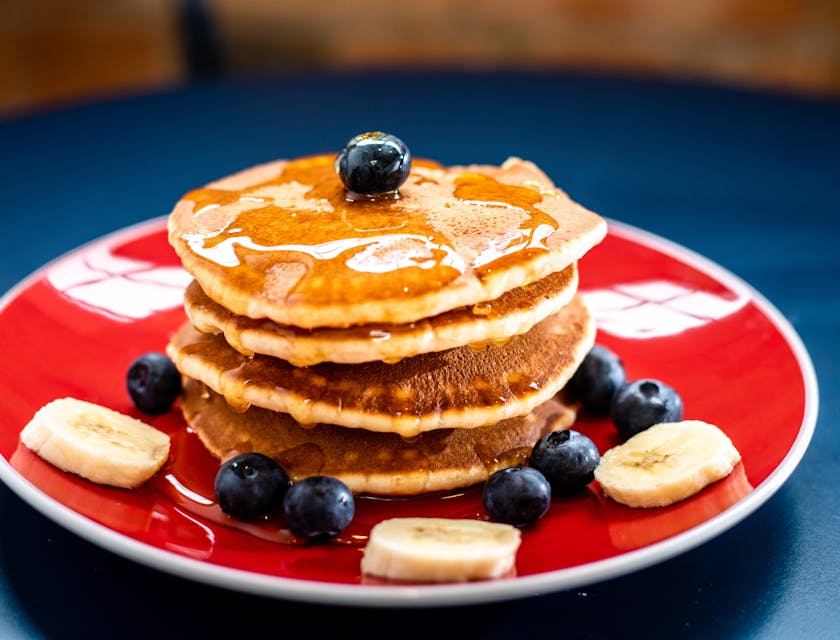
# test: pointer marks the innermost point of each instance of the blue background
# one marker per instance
(749, 180)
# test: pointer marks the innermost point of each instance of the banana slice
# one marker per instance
(666, 463)
(97, 443)
(440, 549)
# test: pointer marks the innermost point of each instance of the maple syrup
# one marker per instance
(300, 226)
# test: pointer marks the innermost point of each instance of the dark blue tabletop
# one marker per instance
(750, 180)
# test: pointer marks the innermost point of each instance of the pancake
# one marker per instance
(514, 313)
(369, 462)
(282, 241)
(457, 388)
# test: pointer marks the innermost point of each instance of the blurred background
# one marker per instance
(55, 52)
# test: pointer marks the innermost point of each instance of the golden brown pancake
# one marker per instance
(282, 241)
(369, 462)
(457, 388)
(514, 313)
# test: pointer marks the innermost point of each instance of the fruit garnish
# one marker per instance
(597, 379)
(153, 383)
(373, 163)
(639, 404)
(250, 485)
(440, 549)
(517, 495)
(96, 443)
(567, 459)
(318, 507)
(666, 463)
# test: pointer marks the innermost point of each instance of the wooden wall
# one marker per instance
(58, 51)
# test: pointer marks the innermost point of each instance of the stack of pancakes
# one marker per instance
(401, 344)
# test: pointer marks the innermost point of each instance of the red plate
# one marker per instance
(72, 329)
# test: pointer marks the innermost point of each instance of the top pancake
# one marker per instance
(282, 241)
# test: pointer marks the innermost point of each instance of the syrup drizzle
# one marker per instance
(484, 191)
(301, 223)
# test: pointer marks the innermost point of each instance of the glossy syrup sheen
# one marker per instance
(302, 225)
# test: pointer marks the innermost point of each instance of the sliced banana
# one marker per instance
(95, 442)
(666, 463)
(440, 549)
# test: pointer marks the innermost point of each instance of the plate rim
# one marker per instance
(437, 595)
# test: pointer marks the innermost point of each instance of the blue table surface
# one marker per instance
(751, 180)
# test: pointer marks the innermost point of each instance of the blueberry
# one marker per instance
(250, 485)
(643, 403)
(517, 495)
(597, 379)
(153, 383)
(373, 163)
(567, 459)
(318, 507)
